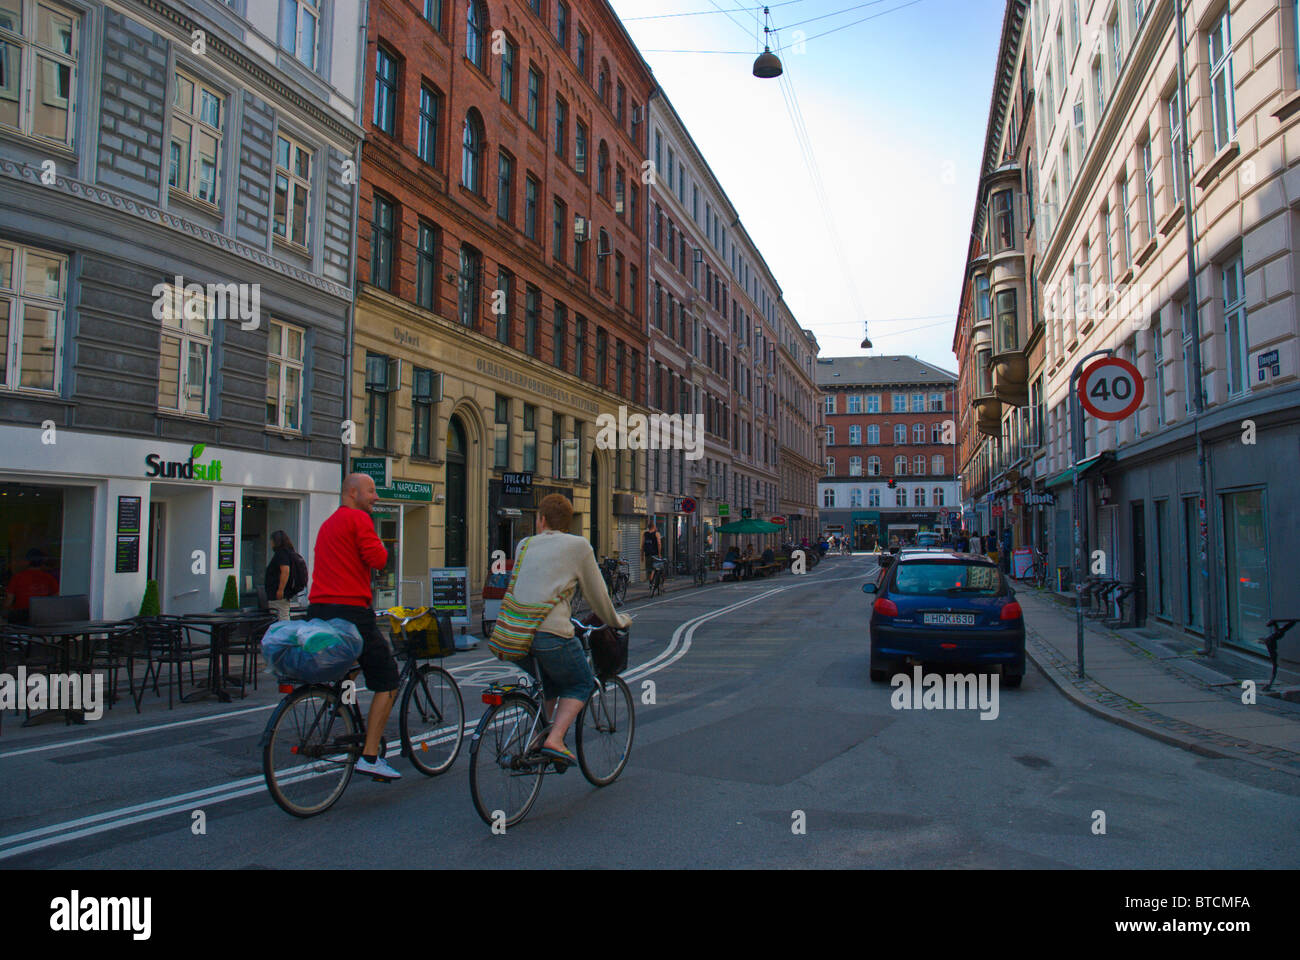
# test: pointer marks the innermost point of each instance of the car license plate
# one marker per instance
(949, 619)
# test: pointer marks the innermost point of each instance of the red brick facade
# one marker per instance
(841, 423)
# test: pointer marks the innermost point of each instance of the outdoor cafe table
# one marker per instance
(74, 640)
(220, 627)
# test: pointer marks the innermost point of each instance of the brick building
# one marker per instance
(890, 448)
(501, 294)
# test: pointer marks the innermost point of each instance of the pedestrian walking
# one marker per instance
(281, 583)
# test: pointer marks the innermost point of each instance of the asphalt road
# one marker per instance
(761, 712)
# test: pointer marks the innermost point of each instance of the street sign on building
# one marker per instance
(1111, 389)
(684, 505)
(724, 510)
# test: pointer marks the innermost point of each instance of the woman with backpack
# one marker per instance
(281, 584)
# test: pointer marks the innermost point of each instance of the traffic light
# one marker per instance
(891, 483)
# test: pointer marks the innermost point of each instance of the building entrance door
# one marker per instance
(1139, 564)
(454, 532)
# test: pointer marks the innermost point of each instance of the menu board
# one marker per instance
(128, 535)
(226, 535)
(449, 592)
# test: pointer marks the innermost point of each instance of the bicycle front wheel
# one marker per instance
(504, 776)
(605, 728)
(432, 720)
(311, 746)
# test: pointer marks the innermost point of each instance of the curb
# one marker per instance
(1059, 676)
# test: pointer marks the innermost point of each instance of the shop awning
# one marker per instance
(1103, 459)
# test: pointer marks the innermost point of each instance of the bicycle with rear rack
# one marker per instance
(315, 736)
(657, 565)
(618, 576)
(506, 764)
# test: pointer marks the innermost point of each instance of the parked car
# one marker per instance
(938, 606)
(929, 539)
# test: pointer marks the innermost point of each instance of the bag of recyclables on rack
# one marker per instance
(316, 651)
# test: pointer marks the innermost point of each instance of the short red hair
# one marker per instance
(557, 511)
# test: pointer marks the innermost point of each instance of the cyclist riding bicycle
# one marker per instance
(556, 562)
(347, 549)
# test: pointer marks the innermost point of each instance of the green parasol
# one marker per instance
(750, 526)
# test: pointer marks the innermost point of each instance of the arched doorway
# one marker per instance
(595, 504)
(454, 531)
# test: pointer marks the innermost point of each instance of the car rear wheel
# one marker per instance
(879, 670)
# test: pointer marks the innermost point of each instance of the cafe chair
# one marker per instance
(168, 642)
(19, 650)
(248, 643)
(120, 653)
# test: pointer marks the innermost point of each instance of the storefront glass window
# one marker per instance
(387, 520)
(1245, 538)
(47, 545)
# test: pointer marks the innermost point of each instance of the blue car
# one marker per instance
(944, 607)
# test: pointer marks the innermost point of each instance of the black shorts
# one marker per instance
(377, 660)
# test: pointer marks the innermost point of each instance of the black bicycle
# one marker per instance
(506, 764)
(657, 565)
(702, 563)
(315, 736)
(617, 576)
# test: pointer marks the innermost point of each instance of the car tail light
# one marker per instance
(1012, 611)
(948, 646)
(886, 608)
(492, 699)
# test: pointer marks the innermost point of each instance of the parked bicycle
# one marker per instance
(315, 736)
(1038, 574)
(617, 576)
(506, 764)
(702, 564)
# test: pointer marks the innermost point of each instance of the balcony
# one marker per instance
(986, 404)
(1010, 362)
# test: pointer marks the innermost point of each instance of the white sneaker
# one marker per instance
(380, 768)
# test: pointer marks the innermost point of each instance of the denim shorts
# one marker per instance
(564, 668)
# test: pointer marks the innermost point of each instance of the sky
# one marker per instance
(895, 108)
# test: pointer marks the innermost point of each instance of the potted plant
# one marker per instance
(149, 605)
(230, 600)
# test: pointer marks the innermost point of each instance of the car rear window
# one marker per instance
(947, 578)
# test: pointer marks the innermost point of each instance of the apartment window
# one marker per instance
(938, 497)
(532, 316)
(936, 402)
(1149, 189)
(559, 327)
(1080, 126)
(918, 433)
(855, 466)
(430, 124)
(900, 497)
(828, 403)
(381, 379)
(1075, 33)
(471, 270)
(530, 438)
(1006, 324)
(1004, 220)
(900, 466)
(918, 403)
(899, 403)
(292, 189)
(1223, 109)
(426, 269)
(618, 279)
(579, 345)
(1107, 253)
(634, 290)
(1189, 344)
(828, 495)
(1099, 87)
(1116, 47)
(873, 403)
(936, 465)
(1175, 113)
(502, 301)
(855, 497)
(534, 96)
(873, 434)
(1234, 316)
(476, 22)
(602, 358)
(919, 497)
(501, 437)
(602, 170)
(936, 433)
(918, 465)
(509, 53)
(185, 354)
(433, 13)
(900, 433)
(580, 149)
(1067, 168)
(620, 360)
(530, 208)
(983, 305)
(32, 287)
(37, 101)
(855, 403)
(561, 128)
(558, 215)
(1158, 360)
(584, 44)
(471, 160)
(1127, 222)
(422, 394)
(385, 91)
(298, 22)
(381, 244)
(505, 186)
(194, 154)
(562, 24)
(855, 435)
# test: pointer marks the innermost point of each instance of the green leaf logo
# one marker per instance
(196, 451)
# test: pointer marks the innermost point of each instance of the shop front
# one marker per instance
(187, 516)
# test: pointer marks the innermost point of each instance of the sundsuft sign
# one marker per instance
(156, 466)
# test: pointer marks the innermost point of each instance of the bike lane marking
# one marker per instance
(43, 837)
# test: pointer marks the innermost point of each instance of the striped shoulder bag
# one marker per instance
(512, 634)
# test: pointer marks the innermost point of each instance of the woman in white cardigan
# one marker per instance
(553, 563)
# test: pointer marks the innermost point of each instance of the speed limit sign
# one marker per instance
(1111, 389)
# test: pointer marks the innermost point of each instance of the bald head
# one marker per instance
(359, 491)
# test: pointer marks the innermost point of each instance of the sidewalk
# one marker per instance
(1151, 683)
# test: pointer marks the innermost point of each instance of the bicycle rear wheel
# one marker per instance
(504, 779)
(620, 589)
(432, 720)
(605, 728)
(305, 765)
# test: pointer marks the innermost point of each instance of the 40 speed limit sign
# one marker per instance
(1111, 389)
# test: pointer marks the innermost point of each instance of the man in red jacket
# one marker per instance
(347, 549)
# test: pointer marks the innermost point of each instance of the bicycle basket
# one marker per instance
(609, 651)
(429, 635)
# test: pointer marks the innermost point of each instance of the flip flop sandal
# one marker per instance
(562, 756)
